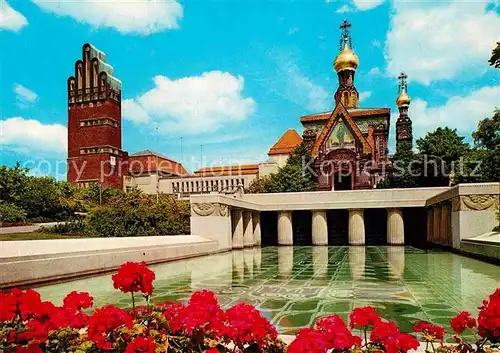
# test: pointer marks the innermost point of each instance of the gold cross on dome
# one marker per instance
(402, 78)
(346, 37)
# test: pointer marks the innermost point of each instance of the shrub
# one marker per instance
(11, 213)
(73, 227)
(28, 324)
(136, 214)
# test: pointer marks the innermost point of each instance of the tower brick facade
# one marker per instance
(95, 154)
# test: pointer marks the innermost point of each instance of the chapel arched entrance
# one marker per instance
(341, 181)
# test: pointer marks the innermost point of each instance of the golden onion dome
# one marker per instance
(403, 100)
(346, 60)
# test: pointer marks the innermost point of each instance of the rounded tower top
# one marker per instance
(346, 60)
(403, 100)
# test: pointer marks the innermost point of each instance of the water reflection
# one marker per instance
(285, 261)
(293, 285)
(320, 261)
(396, 260)
(357, 261)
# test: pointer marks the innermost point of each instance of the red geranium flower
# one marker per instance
(134, 277)
(489, 318)
(172, 312)
(462, 321)
(31, 348)
(202, 314)
(309, 340)
(336, 332)
(430, 332)
(105, 321)
(78, 300)
(141, 345)
(363, 317)
(245, 325)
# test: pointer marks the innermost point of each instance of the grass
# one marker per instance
(38, 236)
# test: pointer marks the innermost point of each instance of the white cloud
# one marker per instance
(31, 136)
(293, 30)
(193, 104)
(375, 71)
(343, 9)
(425, 43)
(367, 4)
(462, 113)
(10, 19)
(24, 95)
(364, 95)
(134, 112)
(292, 84)
(127, 16)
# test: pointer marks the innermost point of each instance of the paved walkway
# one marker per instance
(26, 229)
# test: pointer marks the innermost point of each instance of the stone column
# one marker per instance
(285, 229)
(257, 235)
(436, 225)
(285, 261)
(237, 229)
(247, 229)
(319, 228)
(356, 227)
(395, 227)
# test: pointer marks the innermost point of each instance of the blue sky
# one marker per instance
(234, 75)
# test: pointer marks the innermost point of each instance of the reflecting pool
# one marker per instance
(293, 286)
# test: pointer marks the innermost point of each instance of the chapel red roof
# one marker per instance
(356, 112)
(286, 144)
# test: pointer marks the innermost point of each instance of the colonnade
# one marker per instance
(356, 229)
(246, 228)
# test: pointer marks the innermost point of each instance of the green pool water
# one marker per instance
(293, 286)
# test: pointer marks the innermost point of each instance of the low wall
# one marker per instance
(34, 261)
(462, 212)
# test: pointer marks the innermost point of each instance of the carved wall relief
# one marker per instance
(209, 209)
(475, 203)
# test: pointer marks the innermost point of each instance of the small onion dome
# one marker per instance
(403, 100)
(346, 60)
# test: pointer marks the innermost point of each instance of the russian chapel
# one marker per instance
(350, 143)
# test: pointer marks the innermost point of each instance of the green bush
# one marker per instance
(136, 214)
(73, 227)
(11, 213)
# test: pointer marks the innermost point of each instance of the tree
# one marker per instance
(406, 169)
(293, 177)
(487, 141)
(495, 57)
(12, 183)
(440, 153)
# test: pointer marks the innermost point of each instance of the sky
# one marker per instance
(221, 81)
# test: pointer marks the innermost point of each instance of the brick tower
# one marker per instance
(94, 123)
